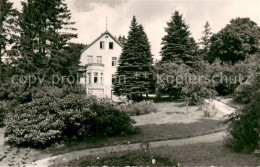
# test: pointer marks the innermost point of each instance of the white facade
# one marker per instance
(100, 59)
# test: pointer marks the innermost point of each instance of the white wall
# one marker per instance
(107, 54)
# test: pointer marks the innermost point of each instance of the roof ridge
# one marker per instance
(102, 34)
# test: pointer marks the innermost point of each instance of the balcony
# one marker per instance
(95, 64)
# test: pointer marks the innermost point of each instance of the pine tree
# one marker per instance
(8, 32)
(134, 70)
(45, 33)
(178, 45)
(205, 40)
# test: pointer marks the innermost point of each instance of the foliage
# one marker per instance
(134, 70)
(178, 81)
(7, 26)
(2, 113)
(178, 46)
(45, 33)
(205, 41)
(56, 114)
(141, 157)
(235, 41)
(167, 75)
(138, 108)
(244, 126)
(122, 39)
(243, 93)
(70, 65)
(8, 36)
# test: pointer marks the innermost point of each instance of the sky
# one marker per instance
(90, 16)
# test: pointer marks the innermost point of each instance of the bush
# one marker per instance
(54, 116)
(141, 108)
(244, 92)
(244, 126)
(2, 114)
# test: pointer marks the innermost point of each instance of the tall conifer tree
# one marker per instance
(134, 70)
(8, 33)
(45, 33)
(205, 40)
(178, 45)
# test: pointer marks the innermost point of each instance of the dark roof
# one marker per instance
(105, 33)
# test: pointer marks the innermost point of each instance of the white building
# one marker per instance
(100, 60)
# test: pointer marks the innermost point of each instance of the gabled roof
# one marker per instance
(105, 33)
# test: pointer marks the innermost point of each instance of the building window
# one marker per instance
(113, 78)
(90, 59)
(102, 45)
(99, 59)
(89, 78)
(111, 45)
(95, 77)
(101, 78)
(114, 61)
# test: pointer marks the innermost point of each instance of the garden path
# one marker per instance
(214, 137)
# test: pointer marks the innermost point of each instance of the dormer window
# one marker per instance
(111, 45)
(102, 45)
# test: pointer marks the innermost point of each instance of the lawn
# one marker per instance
(208, 154)
(170, 122)
(201, 154)
(127, 158)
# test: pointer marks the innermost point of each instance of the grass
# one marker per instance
(208, 154)
(201, 154)
(144, 156)
(170, 122)
(134, 158)
(147, 133)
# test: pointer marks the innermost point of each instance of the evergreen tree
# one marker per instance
(8, 32)
(70, 66)
(178, 45)
(122, 39)
(45, 33)
(205, 40)
(134, 70)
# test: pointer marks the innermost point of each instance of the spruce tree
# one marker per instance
(8, 32)
(134, 70)
(45, 33)
(122, 39)
(205, 40)
(178, 45)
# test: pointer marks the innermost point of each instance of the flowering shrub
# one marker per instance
(141, 108)
(53, 116)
